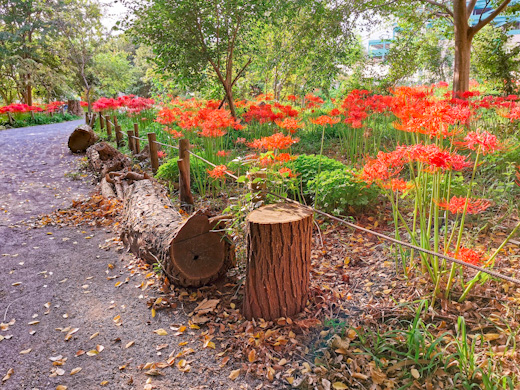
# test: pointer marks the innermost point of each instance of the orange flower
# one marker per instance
(290, 124)
(325, 120)
(286, 172)
(467, 255)
(273, 142)
(218, 172)
(223, 153)
(456, 205)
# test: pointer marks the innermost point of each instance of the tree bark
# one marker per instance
(74, 107)
(463, 40)
(187, 250)
(278, 264)
(81, 139)
(103, 158)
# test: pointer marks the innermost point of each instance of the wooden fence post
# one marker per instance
(184, 172)
(92, 120)
(87, 119)
(119, 136)
(154, 157)
(109, 128)
(131, 140)
(115, 121)
(101, 121)
(137, 144)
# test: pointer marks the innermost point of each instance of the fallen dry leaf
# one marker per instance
(75, 370)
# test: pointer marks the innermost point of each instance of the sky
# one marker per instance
(113, 11)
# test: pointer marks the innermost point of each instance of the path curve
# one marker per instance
(56, 277)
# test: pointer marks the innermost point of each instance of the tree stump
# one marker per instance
(278, 261)
(187, 250)
(74, 107)
(81, 138)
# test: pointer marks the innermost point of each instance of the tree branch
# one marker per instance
(241, 71)
(474, 29)
(440, 5)
(471, 7)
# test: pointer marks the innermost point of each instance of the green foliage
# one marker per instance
(170, 171)
(41, 119)
(339, 190)
(495, 60)
(307, 167)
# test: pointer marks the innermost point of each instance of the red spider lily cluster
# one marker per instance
(312, 101)
(276, 141)
(325, 120)
(459, 205)
(54, 106)
(483, 141)
(467, 255)
(19, 108)
(130, 103)
(290, 124)
(387, 165)
(263, 113)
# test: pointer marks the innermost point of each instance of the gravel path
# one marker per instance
(61, 278)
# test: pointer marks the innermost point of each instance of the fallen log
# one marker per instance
(106, 189)
(278, 261)
(104, 158)
(81, 138)
(190, 253)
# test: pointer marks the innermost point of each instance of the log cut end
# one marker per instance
(278, 213)
(198, 255)
(81, 138)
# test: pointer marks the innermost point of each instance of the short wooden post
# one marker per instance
(137, 144)
(278, 261)
(131, 140)
(109, 128)
(183, 163)
(101, 121)
(10, 118)
(115, 121)
(92, 120)
(87, 119)
(119, 136)
(154, 156)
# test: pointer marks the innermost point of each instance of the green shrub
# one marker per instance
(170, 171)
(340, 189)
(307, 167)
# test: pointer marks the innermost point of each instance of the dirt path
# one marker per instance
(56, 278)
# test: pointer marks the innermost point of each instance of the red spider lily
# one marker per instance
(467, 255)
(265, 97)
(167, 115)
(54, 106)
(218, 172)
(334, 112)
(175, 133)
(287, 110)
(292, 98)
(103, 104)
(284, 157)
(286, 172)
(457, 204)
(324, 120)
(262, 113)
(276, 141)
(161, 154)
(18, 108)
(484, 140)
(83, 104)
(240, 140)
(397, 185)
(223, 153)
(313, 101)
(290, 124)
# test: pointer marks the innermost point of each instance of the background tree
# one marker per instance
(495, 59)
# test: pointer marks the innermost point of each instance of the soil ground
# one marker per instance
(56, 279)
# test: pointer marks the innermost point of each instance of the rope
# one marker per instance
(357, 227)
(406, 244)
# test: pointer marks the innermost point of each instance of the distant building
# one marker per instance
(378, 48)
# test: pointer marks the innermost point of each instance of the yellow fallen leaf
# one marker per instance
(25, 351)
(104, 383)
(75, 370)
(8, 375)
(415, 373)
(130, 344)
(153, 312)
(61, 387)
(251, 356)
(339, 386)
(94, 335)
(234, 374)
(92, 352)
(160, 332)
(33, 323)
(491, 336)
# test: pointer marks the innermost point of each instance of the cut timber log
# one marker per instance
(106, 189)
(188, 251)
(81, 138)
(103, 158)
(278, 261)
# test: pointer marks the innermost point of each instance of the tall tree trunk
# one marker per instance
(463, 39)
(229, 94)
(28, 92)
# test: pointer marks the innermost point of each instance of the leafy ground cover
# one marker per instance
(22, 115)
(416, 163)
